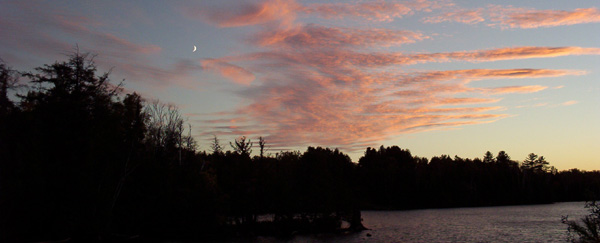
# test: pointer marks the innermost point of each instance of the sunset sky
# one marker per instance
(436, 77)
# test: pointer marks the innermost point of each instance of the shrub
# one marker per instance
(589, 231)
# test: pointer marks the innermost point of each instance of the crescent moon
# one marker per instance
(194, 49)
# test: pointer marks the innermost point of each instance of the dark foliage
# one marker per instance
(82, 161)
(588, 230)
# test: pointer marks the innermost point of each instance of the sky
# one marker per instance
(435, 77)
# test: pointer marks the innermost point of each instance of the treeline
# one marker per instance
(81, 161)
(391, 178)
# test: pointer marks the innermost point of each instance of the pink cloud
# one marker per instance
(512, 53)
(527, 19)
(374, 11)
(313, 35)
(235, 73)
(323, 85)
(478, 74)
(377, 11)
(285, 11)
(570, 102)
(245, 13)
(512, 17)
(465, 101)
(336, 98)
(516, 89)
(461, 16)
(335, 57)
(301, 110)
(120, 44)
(156, 77)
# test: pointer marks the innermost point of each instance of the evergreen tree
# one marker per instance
(488, 157)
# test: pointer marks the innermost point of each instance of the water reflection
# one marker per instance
(533, 223)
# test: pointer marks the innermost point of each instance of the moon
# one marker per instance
(194, 49)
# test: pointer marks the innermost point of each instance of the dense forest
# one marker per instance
(82, 161)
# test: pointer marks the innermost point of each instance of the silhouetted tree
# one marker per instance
(216, 146)
(530, 161)
(388, 176)
(9, 79)
(541, 164)
(189, 143)
(165, 126)
(68, 154)
(134, 125)
(262, 145)
(535, 163)
(488, 157)
(241, 146)
(325, 186)
(502, 158)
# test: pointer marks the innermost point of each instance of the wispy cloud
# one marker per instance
(516, 89)
(302, 109)
(50, 32)
(527, 19)
(322, 85)
(244, 13)
(230, 71)
(461, 16)
(374, 11)
(478, 74)
(313, 35)
(512, 53)
(513, 17)
(330, 59)
(569, 103)
(252, 13)
(338, 85)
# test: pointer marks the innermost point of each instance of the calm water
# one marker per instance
(536, 223)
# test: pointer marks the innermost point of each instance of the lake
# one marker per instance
(531, 223)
